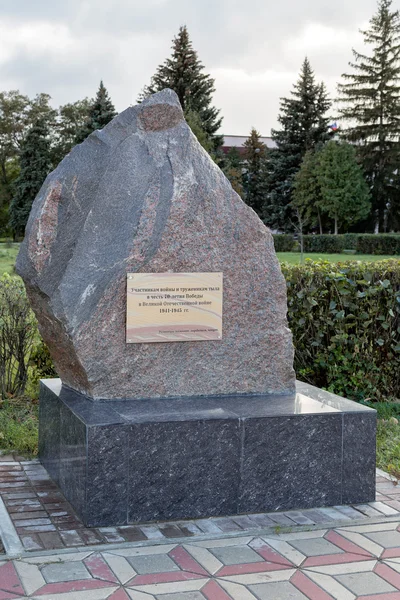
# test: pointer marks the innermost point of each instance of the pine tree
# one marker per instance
(303, 126)
(345, 196)
(35, 164)
(233, 168)
(183, 73)
(100, 113)
(370, 99)
(307, 191)
(254, 178)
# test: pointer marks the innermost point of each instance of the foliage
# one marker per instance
(72, 119)
(284, 242)
(7, 257)
(194, 121)
(362, 243)
(307, 191)
(6, 193)
(254, 182)
(378, 244)
(370, 99)
(345, 320)
(18, 113)
(18, 333)
(295, 258)
(41, 363)
(101, 112)
(183, 73)
(303, 127)
(232, 166)
(35, 164)
(388, 445)
(19, 426)
(343, 192)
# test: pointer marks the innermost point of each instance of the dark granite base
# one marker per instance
(128, 461)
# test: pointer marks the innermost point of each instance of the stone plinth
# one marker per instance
(131, 461)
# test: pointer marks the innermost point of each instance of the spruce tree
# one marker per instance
(100, 113)
(183, 73)
(233, 168)
(344, 193)
(370, 99)
(307, 191)
(35, 164)
(254, 178)
(303, 126)
(194, 121)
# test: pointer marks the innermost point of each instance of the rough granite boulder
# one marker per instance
(142, 195)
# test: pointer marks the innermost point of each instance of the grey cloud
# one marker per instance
(252, 36)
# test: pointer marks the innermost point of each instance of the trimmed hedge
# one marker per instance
(345, 321)
(284, 242)
(362, 243)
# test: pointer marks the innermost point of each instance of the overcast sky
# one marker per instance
(253, 48)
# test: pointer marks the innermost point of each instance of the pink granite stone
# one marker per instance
(142, 195)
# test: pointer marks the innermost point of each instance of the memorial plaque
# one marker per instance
(173, 307)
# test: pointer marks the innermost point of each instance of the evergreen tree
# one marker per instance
(194, 121)
(35, 164)
(100, 113)
(370, 100)
(183, 73)
(254, 178)
(303, 126)
(233, 168)
(307, 191)
(345, 196)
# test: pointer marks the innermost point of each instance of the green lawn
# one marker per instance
(294, 257)
(7, 258)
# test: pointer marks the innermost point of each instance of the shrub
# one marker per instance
(284, 242)
(378, 244)
(345, 320)
(41, 363)
(326, 244)
(18, 332)
(363, 243)
(19, 426)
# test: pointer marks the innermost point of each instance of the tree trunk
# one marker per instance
(320, 222)
(336, 225)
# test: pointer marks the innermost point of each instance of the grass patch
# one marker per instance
(388, 446)
(7, 258)
(293, 258)
(19, 426)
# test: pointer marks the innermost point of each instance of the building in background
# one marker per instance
(237, 141)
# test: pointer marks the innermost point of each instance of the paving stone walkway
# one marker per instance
(345, 563)
(44, 520)
(336, 553)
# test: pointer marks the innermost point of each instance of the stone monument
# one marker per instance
(160, 297)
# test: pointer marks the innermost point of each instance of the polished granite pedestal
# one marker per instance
(132, 461)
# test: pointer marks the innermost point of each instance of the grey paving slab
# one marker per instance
(69, 571)
(315, 547)
(299, 518)
(181, 596)
(277, 591)
(362, 584)
(158, 563)
(386, 539)
(236, 555)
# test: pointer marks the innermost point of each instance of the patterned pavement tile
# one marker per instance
(350, 562)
